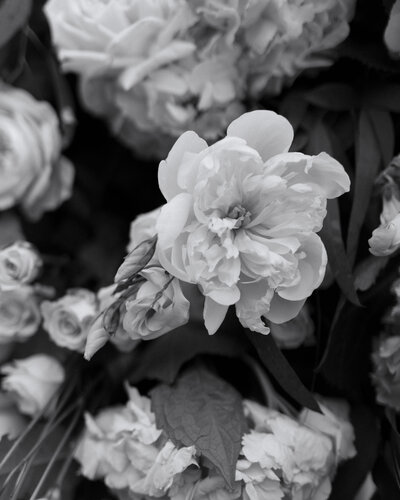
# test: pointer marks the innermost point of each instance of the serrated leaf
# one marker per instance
(203, 410)
(280, 369)
(13, 16)
(367, 166)
(331, 235)
(333, 97)
(162, 358)
(352, 473)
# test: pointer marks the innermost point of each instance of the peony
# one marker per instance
(20, 264)
(32, 382)
(241, 219)
(142, 228)
(19, 314)
(12, 423)
(284, 38)
(294, 333)
(123, 445)
(386, 374)
(157, 307)
(34, 175)
(67, 319)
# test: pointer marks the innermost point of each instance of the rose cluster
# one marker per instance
(154, 70)
(282, 456)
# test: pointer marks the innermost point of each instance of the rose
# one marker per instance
(157, 307)
(20, 264)
(123, 445)
(34, 174)
(241, 217)
(19, 314)
(385, 239)
(32, 382)
(67, 319)
(386, 374)
(285, 38)
(12, 423)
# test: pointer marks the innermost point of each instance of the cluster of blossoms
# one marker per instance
(156, 69)
(386, 357)
(281, 456)
(33, 175)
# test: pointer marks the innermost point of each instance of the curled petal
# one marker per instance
(214, 315)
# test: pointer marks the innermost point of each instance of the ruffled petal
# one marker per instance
(214, 315)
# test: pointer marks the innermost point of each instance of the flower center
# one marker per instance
(241, 214)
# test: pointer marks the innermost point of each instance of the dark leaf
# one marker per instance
(293, 107)
(203, 410)
(13, 16)
(368, 271)
(280, 369)
(333, 97)
(385, 97)
(367, 165)
(10, 228)
(394, 444)
(352, 473)
(384, 131)
(331, 235)
(162, 358)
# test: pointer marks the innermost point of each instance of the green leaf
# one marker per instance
(203, 410)
(367, 166)
(13, 16)
(162, 358)
(333, 97)
(280, 369)
(352, 473)
(331, 235)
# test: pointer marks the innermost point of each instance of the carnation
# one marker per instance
(34, 174)
(241, 219)
(123, 446)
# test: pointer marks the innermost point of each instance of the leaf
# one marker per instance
(385, 97)
(13, 16)
(367, 165)
(333, 97)
(394, 443)
(331, 235)
(278, 366)
(352, 473)
(162, 358)
(203, 410)
(367, 272)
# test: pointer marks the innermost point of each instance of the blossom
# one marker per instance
(19, 314)
(294, 333)
(67, 319)
(12, 423)
(34, 175)
(386, 374)
(32, 382)
(241, 219)
(391, 35)
(20, 264)
(285, 38)
(385, 239)
(143, 228)
(123, 445)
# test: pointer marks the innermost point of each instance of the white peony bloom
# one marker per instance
(123, 446)
(32, 382)
(33, 174)
(67, 319)
(284, 38)
(241, 219)
(19, 314)
(20, 264)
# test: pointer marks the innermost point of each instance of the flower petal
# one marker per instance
(265, 131)
(214, 314)
(282, 310)
(172, 219)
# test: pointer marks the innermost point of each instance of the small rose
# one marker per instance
(31, 382)
(67, 320)
(33, 174)
(20, 263)
(19, 314)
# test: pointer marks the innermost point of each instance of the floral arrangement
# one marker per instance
(199, 298)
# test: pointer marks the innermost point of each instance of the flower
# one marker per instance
(294, 333)
(67, 319)
(34, 175)
(194, 484)
(391, 35)
(283, 457)
(285, 38)
(385, 239)
(123, 445)
(157, 307)
(19, 314)
(20, 264)
(32, 382)
(12, 423)
(241, 217)
(386, 374)
(143, 228)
